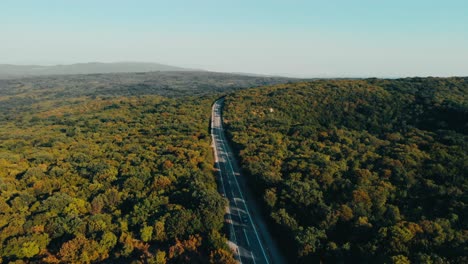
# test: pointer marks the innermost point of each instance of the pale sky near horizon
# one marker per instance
(367, 38)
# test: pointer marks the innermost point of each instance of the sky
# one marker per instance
(335, 38)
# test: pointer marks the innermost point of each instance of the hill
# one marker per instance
(21, 94)
(359, 171)
(14, 71)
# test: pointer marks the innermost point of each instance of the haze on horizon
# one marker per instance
(291, 38)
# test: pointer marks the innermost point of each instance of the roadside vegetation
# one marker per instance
(359, 171)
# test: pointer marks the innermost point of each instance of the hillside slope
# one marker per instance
(363, 171)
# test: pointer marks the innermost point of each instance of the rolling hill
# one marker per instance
(14, 71)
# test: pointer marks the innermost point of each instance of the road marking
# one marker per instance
(224, 190)
(253, 257)
(223, 144)
(246, 237)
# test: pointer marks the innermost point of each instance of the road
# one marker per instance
(248, 234)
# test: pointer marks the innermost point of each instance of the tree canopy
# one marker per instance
(361, 171)
(111, 173)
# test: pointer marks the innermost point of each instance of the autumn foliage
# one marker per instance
(359, 171)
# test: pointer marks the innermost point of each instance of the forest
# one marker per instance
(118, 168)
(112, 168)
(358, 171)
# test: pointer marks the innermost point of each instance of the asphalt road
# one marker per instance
(248, 234)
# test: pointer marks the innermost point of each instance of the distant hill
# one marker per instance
(163, 83)
(13, 71)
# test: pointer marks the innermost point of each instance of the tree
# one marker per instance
(146, 233)
(309, 240)
(222, 256)
(81, 250)
(26, 247)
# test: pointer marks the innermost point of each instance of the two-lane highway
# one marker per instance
(248, 234)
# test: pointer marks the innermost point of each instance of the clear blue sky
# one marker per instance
(299, 38)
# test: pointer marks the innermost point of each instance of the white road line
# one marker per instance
(238, 214)
(240, 192)
(246, 237)
(253, 257)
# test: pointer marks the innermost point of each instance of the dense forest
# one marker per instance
(112, 168)
(359, 171)
(169, 84)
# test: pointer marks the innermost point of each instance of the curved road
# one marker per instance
(248, 235)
